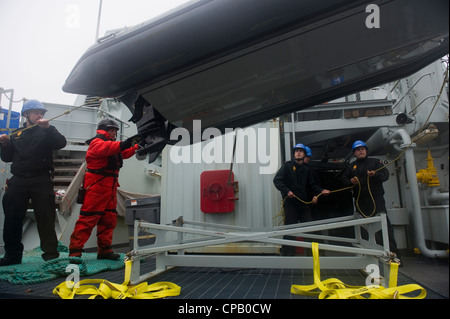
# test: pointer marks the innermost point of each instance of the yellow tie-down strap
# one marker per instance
(108, 290)
(335, 289)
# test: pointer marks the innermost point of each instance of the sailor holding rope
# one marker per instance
(30, 149)
(296, 181)
(368, 175)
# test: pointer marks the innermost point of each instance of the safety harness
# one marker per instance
(115, 162)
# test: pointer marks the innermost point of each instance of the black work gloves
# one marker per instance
(129, 142)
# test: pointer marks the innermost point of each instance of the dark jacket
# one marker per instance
(31, 150)
(359, 169)
(297, 178)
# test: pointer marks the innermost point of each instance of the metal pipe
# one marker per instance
(293, 129)
(436, 196)
(414, 189)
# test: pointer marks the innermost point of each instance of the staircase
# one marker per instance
(68, 176)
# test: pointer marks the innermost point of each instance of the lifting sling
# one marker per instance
(108, 290)
(335, 289)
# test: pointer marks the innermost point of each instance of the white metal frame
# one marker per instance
(170, 249)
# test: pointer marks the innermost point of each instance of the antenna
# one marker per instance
(98, 20)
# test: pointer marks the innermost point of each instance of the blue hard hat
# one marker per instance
(357, 144)
(33, 105)
(303, 147)
(308, 151)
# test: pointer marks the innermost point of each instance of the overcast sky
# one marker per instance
(41, 40)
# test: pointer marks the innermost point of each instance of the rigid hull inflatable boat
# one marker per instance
(239, 62)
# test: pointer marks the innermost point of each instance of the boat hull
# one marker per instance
(239, 62)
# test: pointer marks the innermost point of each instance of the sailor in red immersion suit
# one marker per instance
(104, 158)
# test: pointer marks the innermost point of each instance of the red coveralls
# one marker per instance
(103, 161)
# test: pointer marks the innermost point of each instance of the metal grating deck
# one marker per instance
(203, 283)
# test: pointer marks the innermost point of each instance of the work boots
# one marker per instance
(6, 261)
(110, 256)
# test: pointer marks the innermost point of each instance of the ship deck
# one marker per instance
(212, 283)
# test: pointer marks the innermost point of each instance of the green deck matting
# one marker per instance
(34, 269)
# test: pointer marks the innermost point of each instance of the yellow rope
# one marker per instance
(371, 196)
(281, 212)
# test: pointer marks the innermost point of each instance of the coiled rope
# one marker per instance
(34, 269)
